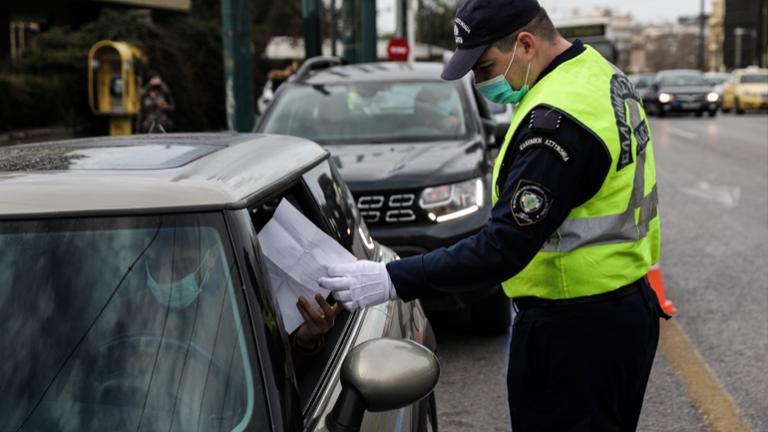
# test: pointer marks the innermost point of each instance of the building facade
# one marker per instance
(745, 33)
(716, 37)
(665, 46)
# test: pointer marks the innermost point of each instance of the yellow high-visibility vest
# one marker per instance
(614, 238)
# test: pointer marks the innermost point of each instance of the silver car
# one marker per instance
(99, 336)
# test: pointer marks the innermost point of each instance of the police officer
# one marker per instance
(573, 231)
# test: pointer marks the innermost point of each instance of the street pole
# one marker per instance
(349, 37)
(738, 32)
(701, 37)
(368, 34)
(312, 37)
(238, 64)
(402, 18)
(755, 56)
(334, 27)
(411, 29)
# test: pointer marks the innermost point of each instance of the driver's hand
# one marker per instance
(317, 320)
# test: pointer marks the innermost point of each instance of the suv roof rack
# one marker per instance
(315, 63)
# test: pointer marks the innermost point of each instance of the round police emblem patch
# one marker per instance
(531, 203)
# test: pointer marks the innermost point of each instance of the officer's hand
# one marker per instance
(359, 284)
(317, 320)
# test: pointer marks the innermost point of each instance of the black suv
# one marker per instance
(415, 150)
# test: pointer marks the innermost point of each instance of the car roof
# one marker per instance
(751, 71)
(670, 72)
(148, 173)
(375, 72)
(717, 74)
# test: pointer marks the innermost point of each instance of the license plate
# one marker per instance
(690, 105)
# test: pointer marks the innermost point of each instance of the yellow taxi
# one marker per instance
(747, 91)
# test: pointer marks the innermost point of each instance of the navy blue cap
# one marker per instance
(479, 23)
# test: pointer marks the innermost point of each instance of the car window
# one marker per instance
(370, 112)
(308, 369)
(754, 79)
(683, 81)
(718, 79)
(338, 206)
(642, 82)
(124, 324)
(497, 108)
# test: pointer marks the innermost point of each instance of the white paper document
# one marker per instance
(298, 254)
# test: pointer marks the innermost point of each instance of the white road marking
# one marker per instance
(682, 133)
(727, 196)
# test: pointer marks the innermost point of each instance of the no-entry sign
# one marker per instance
(398, 49)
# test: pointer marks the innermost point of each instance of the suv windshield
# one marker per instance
(369, 112)
(121, 324)
(684, 81)
(642, 82)
(754, 79)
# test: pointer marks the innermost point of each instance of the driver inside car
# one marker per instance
(435, 108)
(182, 266)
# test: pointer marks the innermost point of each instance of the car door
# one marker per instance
(303, 390)
(393, 319)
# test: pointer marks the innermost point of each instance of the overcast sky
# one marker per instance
(642, 10)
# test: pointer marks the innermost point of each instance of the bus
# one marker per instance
(595, 34)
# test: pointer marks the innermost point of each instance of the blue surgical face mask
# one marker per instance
(179, 294)
(498, 89)
(445, 108)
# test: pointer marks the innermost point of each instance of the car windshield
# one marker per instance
(496, 108)
(642, 81)
(370, 112)
(754, 79)
(683, 81)
(115, 324)
(716, 79)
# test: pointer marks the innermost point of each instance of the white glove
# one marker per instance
(360, 284)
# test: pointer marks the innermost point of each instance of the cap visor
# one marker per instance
(462, 62)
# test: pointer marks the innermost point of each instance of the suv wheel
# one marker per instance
(737, 107)
(492, 314)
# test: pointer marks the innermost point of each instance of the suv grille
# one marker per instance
(387, 208)
(690, 97)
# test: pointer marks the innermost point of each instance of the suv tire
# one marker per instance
(492, 314)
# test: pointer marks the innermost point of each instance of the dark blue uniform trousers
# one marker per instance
(582, 366)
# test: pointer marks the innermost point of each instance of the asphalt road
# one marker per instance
(713, 183)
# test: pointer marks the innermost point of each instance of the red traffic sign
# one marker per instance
(398, 49)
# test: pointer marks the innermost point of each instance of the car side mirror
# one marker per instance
(490, 131)
(380, 375)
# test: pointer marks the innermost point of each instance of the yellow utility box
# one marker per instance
(114, 83)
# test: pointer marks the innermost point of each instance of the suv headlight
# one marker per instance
(712, 97)
(452, 201)
(665, 98)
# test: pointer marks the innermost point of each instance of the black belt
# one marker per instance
(523, 303)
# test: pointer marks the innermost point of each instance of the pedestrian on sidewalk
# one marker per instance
(156, 105)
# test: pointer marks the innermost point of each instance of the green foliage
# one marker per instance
(186, 49)
(51, 86)
(28, 101)
(435, 19)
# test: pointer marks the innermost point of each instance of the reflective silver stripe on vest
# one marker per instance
(619, 228)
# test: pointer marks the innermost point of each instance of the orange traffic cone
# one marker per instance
(657, 283)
